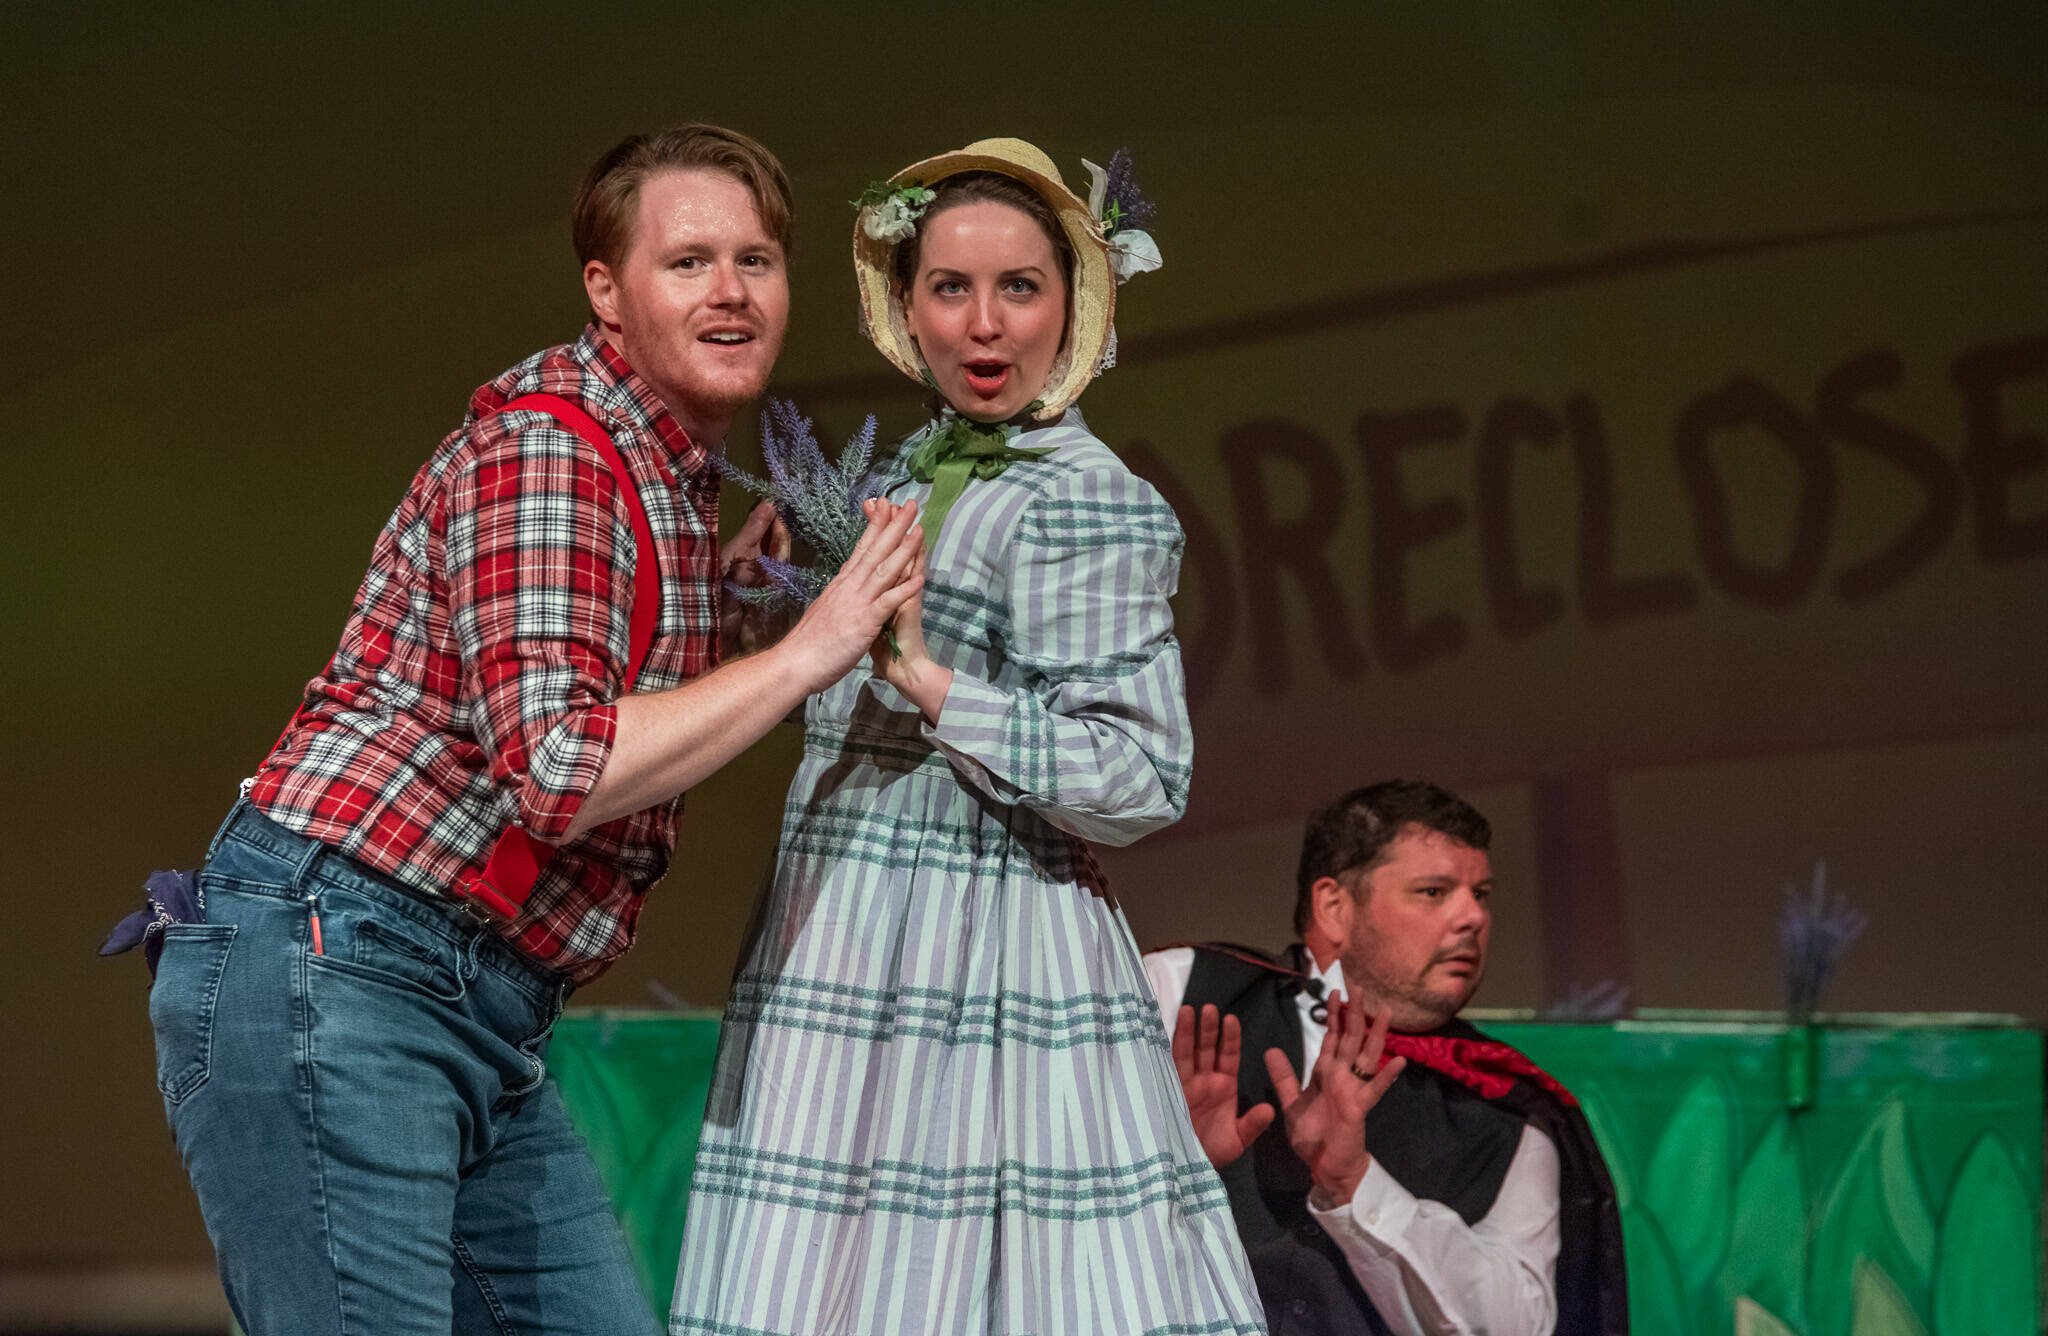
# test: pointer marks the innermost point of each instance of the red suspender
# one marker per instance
(646, 568)
(517, 858)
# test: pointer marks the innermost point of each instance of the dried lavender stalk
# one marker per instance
(818, 499)
(1815, 932)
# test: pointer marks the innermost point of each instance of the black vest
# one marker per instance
(1439, 1139)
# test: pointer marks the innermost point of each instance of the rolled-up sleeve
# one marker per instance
(1428, 1273)
(1096, 738)
(539, 559)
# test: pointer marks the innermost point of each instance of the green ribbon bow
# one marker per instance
(950, 454)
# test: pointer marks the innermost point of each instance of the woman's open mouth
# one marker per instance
(986, 378)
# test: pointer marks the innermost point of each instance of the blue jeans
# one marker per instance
(354, 1076)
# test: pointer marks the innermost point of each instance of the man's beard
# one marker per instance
(723, 396)
(1414, 996)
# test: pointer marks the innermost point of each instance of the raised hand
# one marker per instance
(1206, 1056)
(1326, 1126)
(884, 571)
(744, 629)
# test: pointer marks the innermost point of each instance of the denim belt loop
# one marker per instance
(308, 857)
(470, 961)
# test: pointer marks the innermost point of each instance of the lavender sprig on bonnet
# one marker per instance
(1123, 212)
(1128, 205)
(818, 499)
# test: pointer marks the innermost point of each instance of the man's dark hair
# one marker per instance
(1354, 831)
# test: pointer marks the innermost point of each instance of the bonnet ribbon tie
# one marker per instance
(955, 452)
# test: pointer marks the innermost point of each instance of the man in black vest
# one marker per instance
(1453, 1187)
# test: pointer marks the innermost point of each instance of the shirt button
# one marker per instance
(1372, 1217)
(1297, 1306)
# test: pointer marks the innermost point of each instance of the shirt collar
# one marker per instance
(626, 397)
(1332, 980)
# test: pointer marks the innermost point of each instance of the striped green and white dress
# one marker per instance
(944, 1102)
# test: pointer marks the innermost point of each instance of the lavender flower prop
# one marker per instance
(818, 499)
(1122, 213)
(1815, 932)
(1127, 205)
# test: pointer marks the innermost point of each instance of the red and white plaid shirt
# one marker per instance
(475, 679)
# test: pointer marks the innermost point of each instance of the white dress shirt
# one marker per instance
(1425, 1270)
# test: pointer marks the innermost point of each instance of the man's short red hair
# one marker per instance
(601, 221)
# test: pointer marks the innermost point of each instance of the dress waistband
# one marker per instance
(887, 750)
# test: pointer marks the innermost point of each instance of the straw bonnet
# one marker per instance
(1093, 288)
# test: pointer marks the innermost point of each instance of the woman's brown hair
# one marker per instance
(974, 187)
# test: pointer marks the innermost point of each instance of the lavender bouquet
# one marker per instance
(819, 500)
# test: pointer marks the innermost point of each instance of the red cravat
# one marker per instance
(1486, 1065)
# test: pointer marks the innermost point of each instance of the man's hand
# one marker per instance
(885, 571)
(666, 741)
(743, 629)
(1206, 1054)
(1326, 1126)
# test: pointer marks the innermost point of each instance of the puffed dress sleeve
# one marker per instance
(1095, 738)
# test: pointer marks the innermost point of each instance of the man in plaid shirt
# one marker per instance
(349, 1046)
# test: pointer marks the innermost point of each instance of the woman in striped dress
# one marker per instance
(944, 1102)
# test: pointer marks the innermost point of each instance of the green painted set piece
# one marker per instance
(1892, 1187)
(1880, 1177)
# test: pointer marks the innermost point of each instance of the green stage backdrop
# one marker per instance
(1903, 1200)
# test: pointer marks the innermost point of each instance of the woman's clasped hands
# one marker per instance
(884, 574)
(899, 656)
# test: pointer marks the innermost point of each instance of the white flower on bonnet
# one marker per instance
(891, 215)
